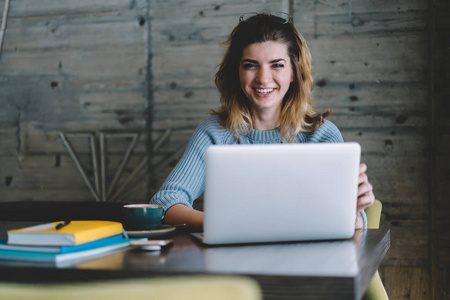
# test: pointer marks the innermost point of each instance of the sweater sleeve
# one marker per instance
(364, 217)
(326, 133)
(186, 182)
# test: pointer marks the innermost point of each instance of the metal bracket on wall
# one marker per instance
(4, 22)
(91, 136)
(106, 192)
(120, 194)
(114, 192)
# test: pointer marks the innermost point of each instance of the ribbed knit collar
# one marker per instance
(264, 137)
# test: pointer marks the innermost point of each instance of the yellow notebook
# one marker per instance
(75, 233)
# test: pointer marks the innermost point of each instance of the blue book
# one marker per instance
(63, 258)
(60, 249)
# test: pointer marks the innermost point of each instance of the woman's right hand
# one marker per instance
(181, 214)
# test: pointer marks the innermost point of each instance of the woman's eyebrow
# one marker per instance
(277, 60)
(249, 60)
(255, 61)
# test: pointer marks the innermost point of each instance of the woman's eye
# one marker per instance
(278, 66)
(248, 66)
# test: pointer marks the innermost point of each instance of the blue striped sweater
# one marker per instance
(186, 182)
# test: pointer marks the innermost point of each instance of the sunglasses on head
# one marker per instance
(277, 17)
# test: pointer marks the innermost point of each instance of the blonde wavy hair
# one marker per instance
(297, 113)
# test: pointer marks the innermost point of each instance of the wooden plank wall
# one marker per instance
(381, 66)
(75, 66)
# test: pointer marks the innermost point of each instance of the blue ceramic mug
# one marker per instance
(142, 216)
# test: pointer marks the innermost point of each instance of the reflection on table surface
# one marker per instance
(336, 258)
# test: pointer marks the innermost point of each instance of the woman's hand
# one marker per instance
(181, 214)
(365, 193)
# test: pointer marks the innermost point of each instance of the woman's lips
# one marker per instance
(264, 91)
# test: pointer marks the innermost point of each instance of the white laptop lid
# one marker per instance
(280, 192)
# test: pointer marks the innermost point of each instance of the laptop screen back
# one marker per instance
(280, 192)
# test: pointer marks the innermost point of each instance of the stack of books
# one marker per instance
(63, 242)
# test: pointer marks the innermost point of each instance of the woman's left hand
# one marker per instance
(365, 193)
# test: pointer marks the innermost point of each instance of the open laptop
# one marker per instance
(280, 192)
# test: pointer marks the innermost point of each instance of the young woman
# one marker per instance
(265, 83)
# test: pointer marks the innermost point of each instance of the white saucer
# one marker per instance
(154, 233)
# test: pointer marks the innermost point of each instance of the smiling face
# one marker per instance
(265, 74)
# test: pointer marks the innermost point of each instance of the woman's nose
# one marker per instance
(263, 76)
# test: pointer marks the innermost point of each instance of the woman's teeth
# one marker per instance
(264, 91)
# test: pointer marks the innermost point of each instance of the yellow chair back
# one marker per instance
(375, 290)
(373, 213)
(168, 288)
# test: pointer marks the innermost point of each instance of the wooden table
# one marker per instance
(311, 270)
